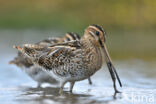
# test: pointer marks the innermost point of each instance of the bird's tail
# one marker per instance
(30, 50)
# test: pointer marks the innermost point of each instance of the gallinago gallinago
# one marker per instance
(75, 60)
(35, 72)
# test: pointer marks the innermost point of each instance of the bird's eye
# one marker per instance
(97, 33)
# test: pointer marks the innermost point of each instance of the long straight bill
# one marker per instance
(110, 65)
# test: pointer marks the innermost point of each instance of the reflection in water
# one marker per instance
(50, 95)
(138, 86)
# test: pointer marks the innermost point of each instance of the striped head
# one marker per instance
(97, 35)
(70, 36)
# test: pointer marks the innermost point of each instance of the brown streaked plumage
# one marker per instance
(36, 72)
(75, 60)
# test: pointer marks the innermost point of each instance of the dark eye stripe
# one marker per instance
(100, 43)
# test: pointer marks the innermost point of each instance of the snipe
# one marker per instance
(75, 60)
(35, 72)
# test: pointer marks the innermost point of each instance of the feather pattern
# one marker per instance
(36, 50)
(74, 60)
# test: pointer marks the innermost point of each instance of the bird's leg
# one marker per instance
(61, 87)
(90, 81)
(71, 86)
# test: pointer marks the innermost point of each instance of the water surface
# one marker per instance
(139, 86)
(138, 78)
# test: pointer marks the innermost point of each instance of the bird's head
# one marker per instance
(97, 35)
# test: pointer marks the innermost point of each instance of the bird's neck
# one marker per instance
(89, 43)
(93, 53)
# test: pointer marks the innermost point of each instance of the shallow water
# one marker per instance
(138, 78)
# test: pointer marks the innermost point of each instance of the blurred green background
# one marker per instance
(130, 24)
